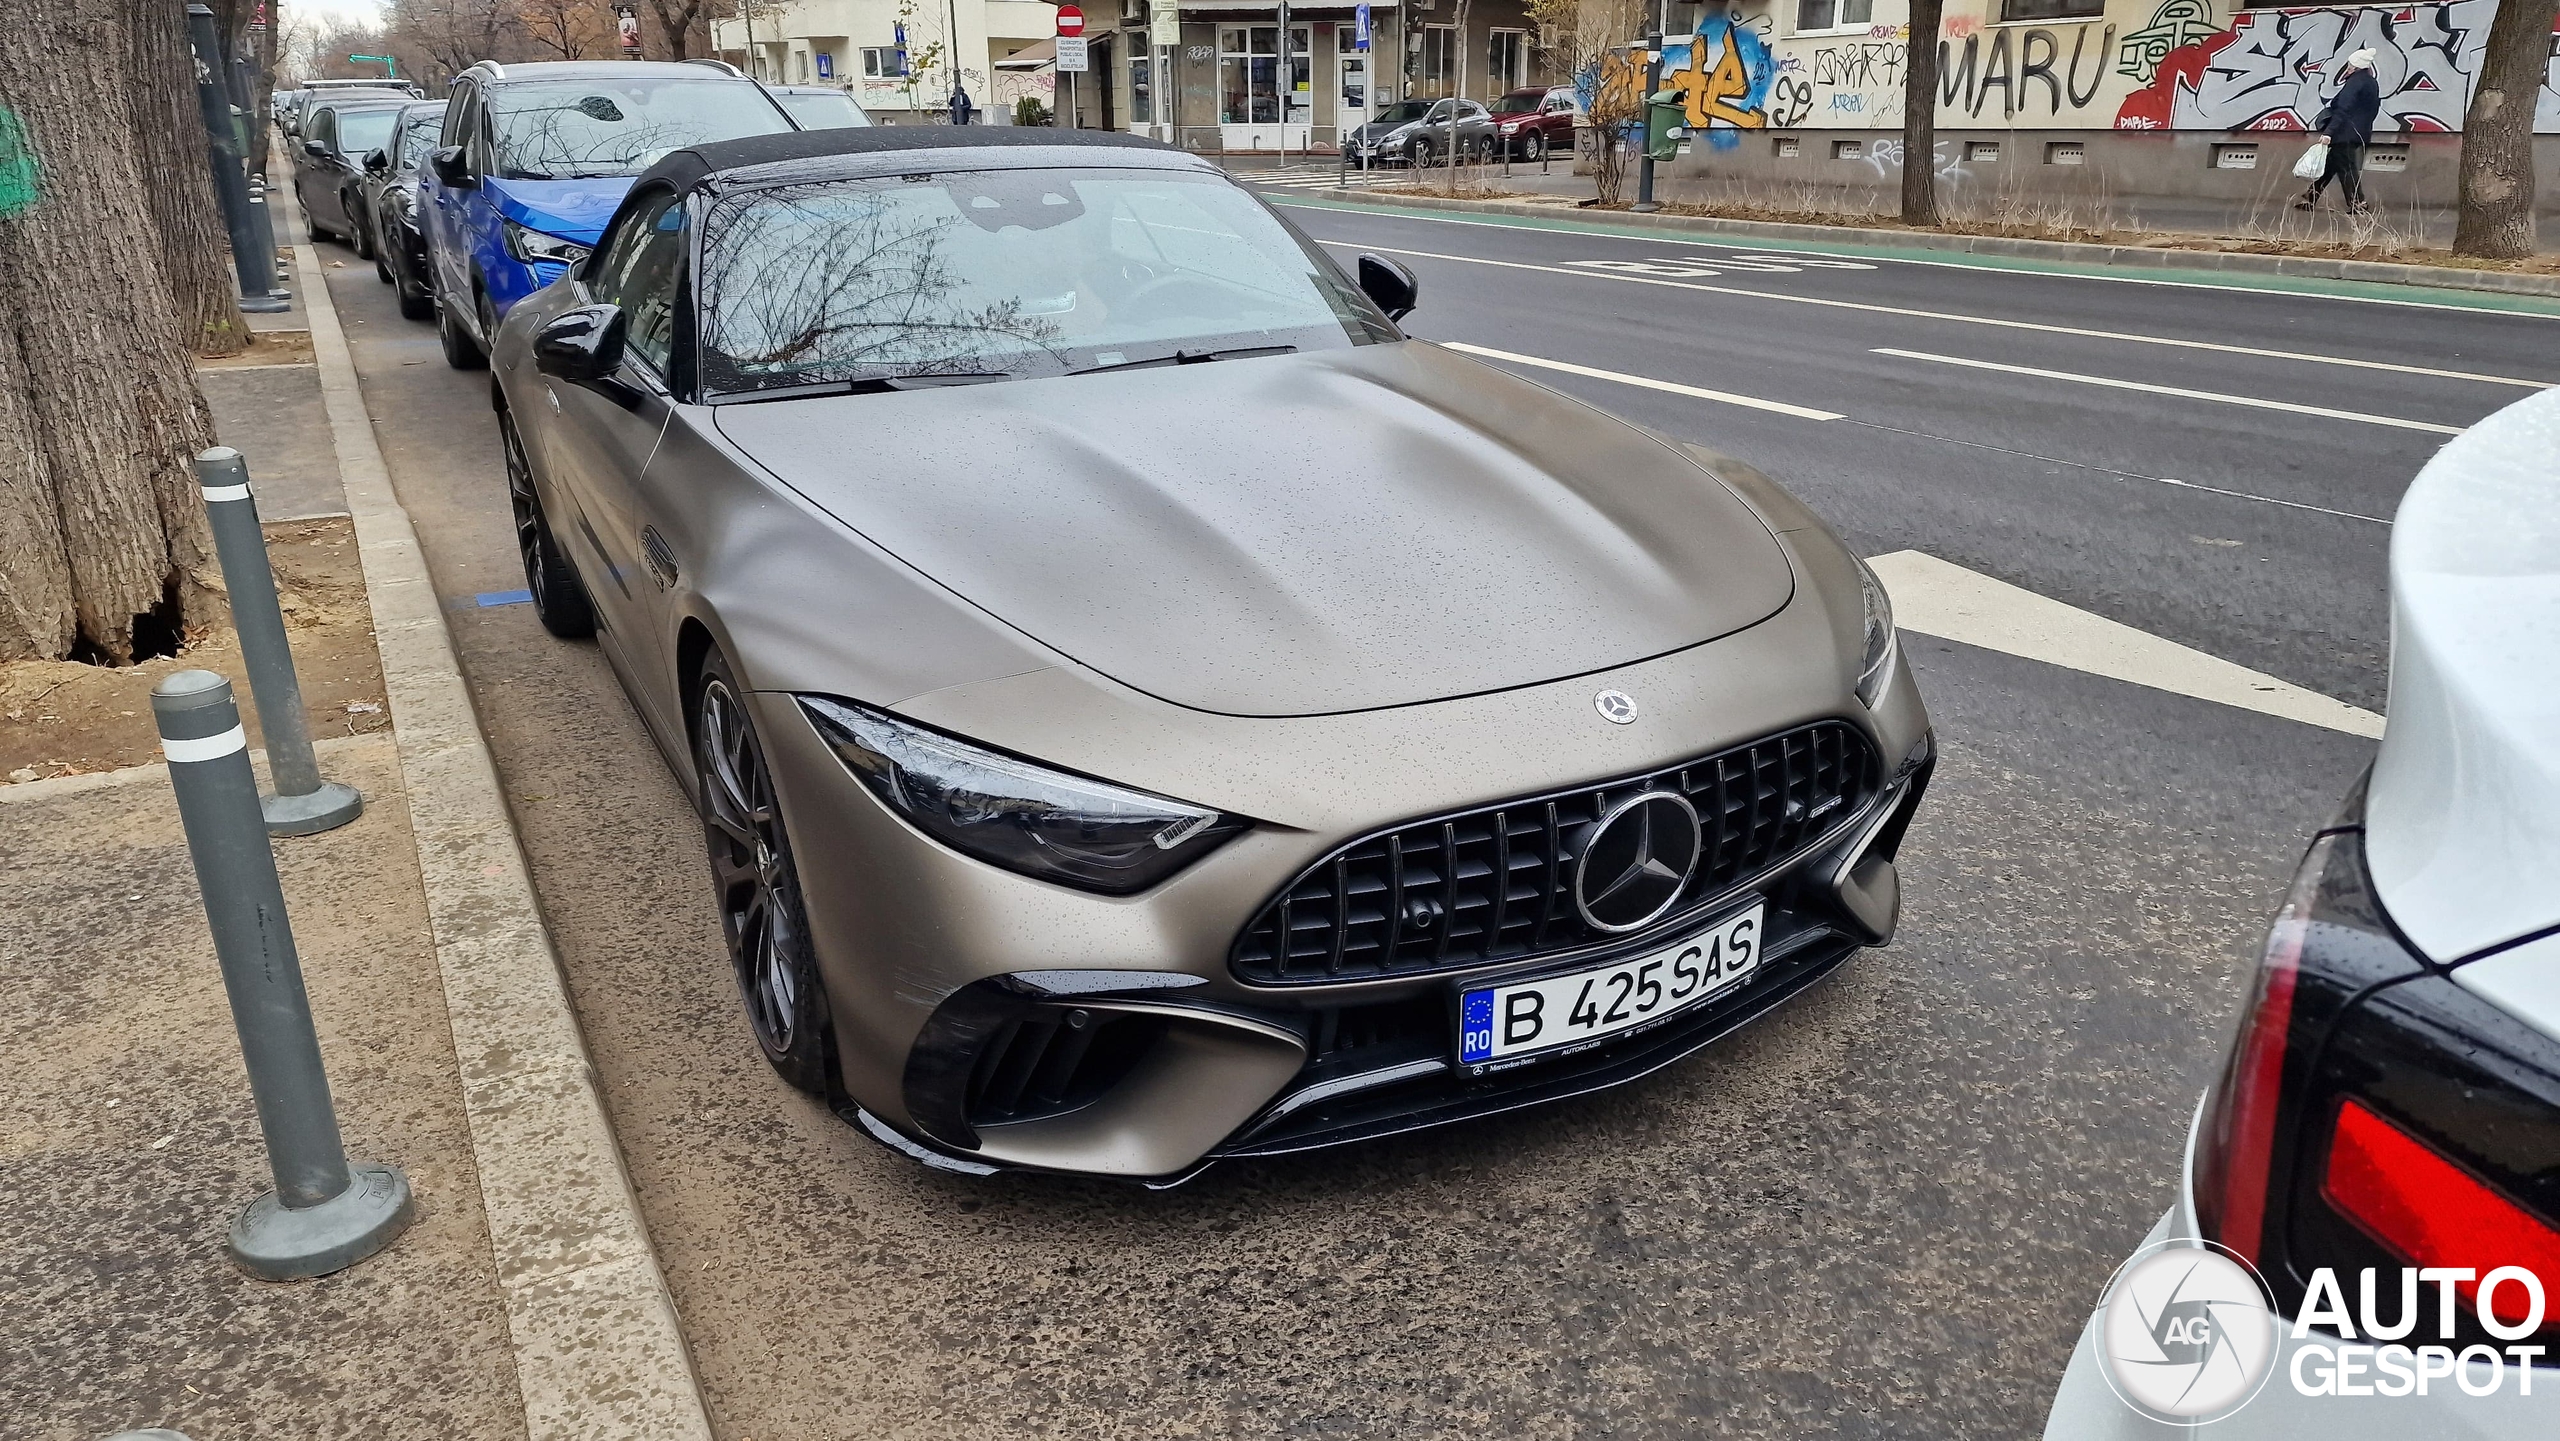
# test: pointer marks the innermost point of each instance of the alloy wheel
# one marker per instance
(751, 871)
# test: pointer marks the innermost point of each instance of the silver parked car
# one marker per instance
(1143, 707)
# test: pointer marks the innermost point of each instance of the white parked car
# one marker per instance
(2382, 1150)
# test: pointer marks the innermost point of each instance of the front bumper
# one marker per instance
(2085, 1407)
(949, 978)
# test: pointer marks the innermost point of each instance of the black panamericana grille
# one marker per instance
(1496, 884)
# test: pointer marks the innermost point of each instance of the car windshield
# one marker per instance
(831, 110)
(419, 140)
(363, 130)
(1403, 112)
(1520, 102)
(1005, 274)
(614, 125)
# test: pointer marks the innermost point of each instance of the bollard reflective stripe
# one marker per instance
(214, 493)
(209, 748)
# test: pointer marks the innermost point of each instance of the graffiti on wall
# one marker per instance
(2277, 69)
(2024, 65)
(1724, 74)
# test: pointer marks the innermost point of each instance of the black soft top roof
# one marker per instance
(687, 168)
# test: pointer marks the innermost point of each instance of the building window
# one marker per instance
(883, 62)
(1249, 68)
(799, 67)
(1838, 14)
(1507, 60)
(2051, 9)
(1142, 90)
(1439, 61)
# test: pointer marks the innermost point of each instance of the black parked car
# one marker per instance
(389, 195)
(336, 134)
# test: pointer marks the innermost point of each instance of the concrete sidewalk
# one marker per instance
(526, 1302)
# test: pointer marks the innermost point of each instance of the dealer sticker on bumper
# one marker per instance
(1502, 1023)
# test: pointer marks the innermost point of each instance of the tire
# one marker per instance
(1419, 155)
(755, 883)
(1534, 149)
(359, 230)
(460, 350)
(560, 599)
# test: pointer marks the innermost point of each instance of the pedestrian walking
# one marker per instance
(2347, 123)
(961, 108)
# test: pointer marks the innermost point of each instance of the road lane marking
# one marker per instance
(1724, 396)
(1936, 597)
(2122, 474)
(2216, 396)
(1389, 210)
(1993, 321)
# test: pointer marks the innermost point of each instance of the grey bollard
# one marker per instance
(303, 803)
(323, 1215)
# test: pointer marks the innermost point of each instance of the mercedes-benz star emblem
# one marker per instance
(1636, 862)
(1616, 707)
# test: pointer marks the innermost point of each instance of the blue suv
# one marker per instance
(534, 159)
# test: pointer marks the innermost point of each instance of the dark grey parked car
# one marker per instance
(1421, 132)
(328, 162)
(1145, 709)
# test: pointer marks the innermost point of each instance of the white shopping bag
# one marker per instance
(2314, 162)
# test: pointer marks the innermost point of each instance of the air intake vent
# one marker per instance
(1055, 1059)
(1496, 884)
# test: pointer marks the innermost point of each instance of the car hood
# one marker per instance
(571, 209)
(1291, 535)
(2462, 819)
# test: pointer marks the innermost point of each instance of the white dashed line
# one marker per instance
(1723, 397)
(2180, 392)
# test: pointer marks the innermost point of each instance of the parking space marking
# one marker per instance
(2216, 396)
(2076, 331)
(1937, 597)
(1725, 397)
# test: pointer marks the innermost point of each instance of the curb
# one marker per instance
(2143, 257)
(599, 1352)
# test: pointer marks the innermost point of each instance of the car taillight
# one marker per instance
(2430, 1212)
(2374, 1115)
(2232, 1163)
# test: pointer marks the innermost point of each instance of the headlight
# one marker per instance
(1877, 662)
(1043, 823)
(532, 245)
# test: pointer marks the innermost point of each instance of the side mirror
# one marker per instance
(376, 161)
(315, 149)
(581, 346)
(1390, 285)
(453, 167)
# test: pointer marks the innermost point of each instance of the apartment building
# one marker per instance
(1208, 78)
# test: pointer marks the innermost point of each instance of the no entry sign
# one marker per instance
(1070, 20)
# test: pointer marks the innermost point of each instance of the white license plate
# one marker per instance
(1510, 1022)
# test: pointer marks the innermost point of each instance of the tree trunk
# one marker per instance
(168, 125)
(102, 412)
(2495, 216)
(675, 25)
(1920, 117)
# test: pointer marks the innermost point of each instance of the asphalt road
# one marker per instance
(1883, 1211)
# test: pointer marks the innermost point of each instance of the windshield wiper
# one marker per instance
(867, 385)
(1190, 357)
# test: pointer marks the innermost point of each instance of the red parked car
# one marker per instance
(1537, 120)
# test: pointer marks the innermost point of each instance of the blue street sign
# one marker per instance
(826, 66)
(1360, 13)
